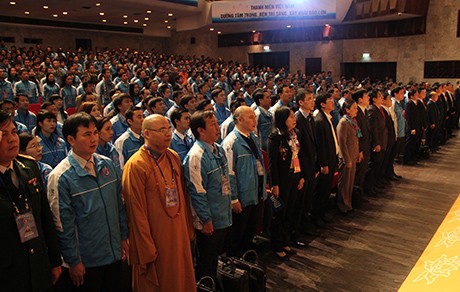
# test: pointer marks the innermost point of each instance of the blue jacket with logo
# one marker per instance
(242, 165)
(89, 215)
(204, 170)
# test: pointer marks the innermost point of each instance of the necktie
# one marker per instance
(7, 179)
(89, 167)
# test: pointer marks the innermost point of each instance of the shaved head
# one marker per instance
(157, 133)
(151, 120)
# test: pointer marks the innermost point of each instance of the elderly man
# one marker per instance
(160, 227)
(247, 179)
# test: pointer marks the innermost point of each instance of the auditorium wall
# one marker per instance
(440, 43)
(65, 38)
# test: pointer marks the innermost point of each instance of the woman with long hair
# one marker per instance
(348, 134)
(54, 147)
(286, 179)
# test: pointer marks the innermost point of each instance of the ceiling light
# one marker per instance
(125, 16)
(145, 24)
(253, 31)
(65, 13)
(366, 55)
(55, 15)
(26, 12)
(125, 22)
(326, 25)
(13, 3)
(219, 32)
(45, 7)
(149, 11)
(288, 26)
(211, 29)
(170, 14)
(166, 21)
(104, 20)
(266, 48)
(136, 21)
(101, 13)
(98, 4)
(146, 18)
(168, 26)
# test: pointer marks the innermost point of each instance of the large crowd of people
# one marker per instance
(166, 162)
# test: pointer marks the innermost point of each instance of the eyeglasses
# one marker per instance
(163, 131)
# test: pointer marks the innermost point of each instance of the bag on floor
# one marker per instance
(206, 284)
(230, 277)
(257, 272)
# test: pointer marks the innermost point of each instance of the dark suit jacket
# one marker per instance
(279, 158)
(413, 118)
(423, 114)
(433, 114)
(365, 140)
(325, 142)
(378, 128)
(307, 139)
(457, 99)
(391, 130)
(442, 105)
(26, 266)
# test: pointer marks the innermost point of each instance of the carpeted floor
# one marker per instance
(374, 248)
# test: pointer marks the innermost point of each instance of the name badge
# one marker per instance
(226, 191)
(26, 225)
(171, 198)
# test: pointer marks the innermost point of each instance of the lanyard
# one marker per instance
(159, 168)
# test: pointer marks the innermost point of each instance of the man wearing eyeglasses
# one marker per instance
(159, 213)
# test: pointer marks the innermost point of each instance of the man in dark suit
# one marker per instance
(30, 257)
(457, 104)
(379, 141)
(442, 106)
(413, 129)
(433, 122)
(306, 126)
(327, 150)
(362, 99)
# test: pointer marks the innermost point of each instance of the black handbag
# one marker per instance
(210, 286)
(257, 272)
(231, 278)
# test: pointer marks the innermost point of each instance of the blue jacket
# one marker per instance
(178, 145)
(126, 145)
(264, 126)
(119, 126)
(28, 88)
(242, 165)
(204, 170)
(6, 90)
(54, 149)
(221, 112)
(109, 151)
(69, 96)
(89, 215)
(49, 90)
(28, 119)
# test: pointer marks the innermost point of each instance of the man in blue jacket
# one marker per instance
(247, 179)
(206, 171)
(89, 215)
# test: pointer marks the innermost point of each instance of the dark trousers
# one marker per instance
(388, 159)
(283, 219)
(243, 230)
(374, 170)
(361, 169)
(96, 279)
(306, 194)
(322, 193)
(412, 147)
(432, 137)
(209, 249)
